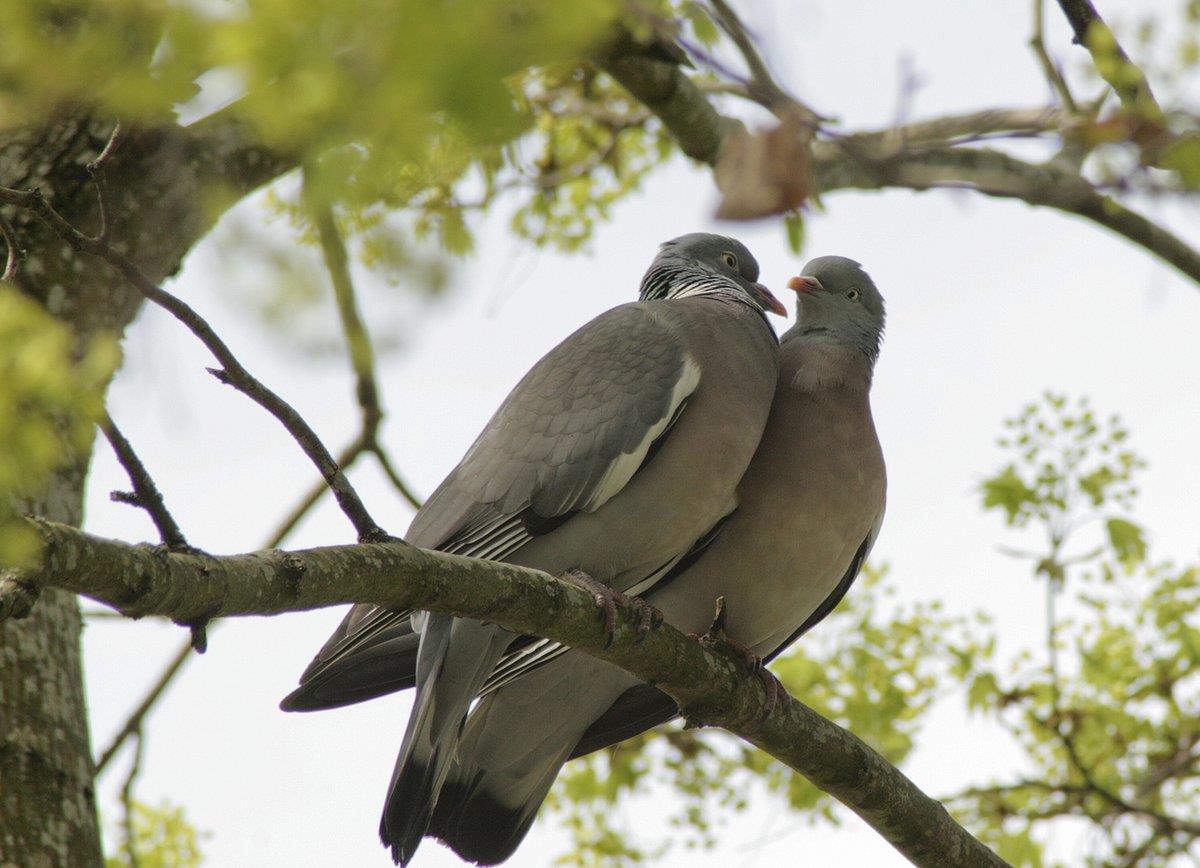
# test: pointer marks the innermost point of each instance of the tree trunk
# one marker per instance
(161, 203)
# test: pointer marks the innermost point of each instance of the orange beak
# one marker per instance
(806, 285)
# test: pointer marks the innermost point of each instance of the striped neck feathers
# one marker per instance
(675, 280)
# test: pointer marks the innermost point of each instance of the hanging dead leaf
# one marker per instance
(764, 173)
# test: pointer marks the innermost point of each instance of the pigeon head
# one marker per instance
(839, 303)
(706, 264)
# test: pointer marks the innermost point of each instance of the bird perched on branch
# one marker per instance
(618, 450)
(809, 509)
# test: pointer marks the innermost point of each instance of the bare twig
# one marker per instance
(114, 141)
(1054, 76)
(398, 482)
(145, 493)
(362, 360)
(13, 252)
(358, 342)
(182, 655)
(127, 804)
(231, 372)
(762, 87)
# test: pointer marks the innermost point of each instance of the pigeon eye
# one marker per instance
(853, 295)
(730, 259)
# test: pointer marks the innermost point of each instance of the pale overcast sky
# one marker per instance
(989, 304)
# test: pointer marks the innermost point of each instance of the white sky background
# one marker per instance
(989, 304)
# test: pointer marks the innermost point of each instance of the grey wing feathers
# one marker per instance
(566, 439)
(526, 657)
(572, 432)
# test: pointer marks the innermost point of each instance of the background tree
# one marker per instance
(399, 143)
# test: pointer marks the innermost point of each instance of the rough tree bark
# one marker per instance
(166, 187)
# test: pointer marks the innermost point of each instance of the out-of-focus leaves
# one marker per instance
(49, 404)
(1128, 541)
(1009, 492)
(1183, 158)
(1064, 456)
(162, 838)
(793, 225)
(1106, 724)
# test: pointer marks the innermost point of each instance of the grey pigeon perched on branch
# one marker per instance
(613, 455)
(809, 509)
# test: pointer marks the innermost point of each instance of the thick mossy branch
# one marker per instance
(711, 689)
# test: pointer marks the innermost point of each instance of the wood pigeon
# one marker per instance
(809, 509)
(613, 455)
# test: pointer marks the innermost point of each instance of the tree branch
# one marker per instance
(145, 493)
(183, 654)
(885, 159)
(1122, 74)
(1050, 70)
(12, 250)
(231, 372)
(710, 688)
(367, 392)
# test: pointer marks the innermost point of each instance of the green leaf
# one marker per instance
(1183, 158)
(1127, 540)
(794, 224)
(1009, 492)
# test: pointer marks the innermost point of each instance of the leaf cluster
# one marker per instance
(50, 392)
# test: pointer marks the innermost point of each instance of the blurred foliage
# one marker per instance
(162, 837)
(1108, 716)
(1163, 132)
(1105, 709)
(49, 403)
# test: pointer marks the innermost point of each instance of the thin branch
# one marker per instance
(998, 174)
(762, 86)
(231, 371)
(133, 725)
(114, 141)
(13, 252)
(358, 341)
(1123, 75)
(1054, 76)
(710, 687)
(145, 494)
(127, 804)
(183, 654)
(398, 482)
(362, 360)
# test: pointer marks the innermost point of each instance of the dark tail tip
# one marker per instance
(408, 808)
(476, 826)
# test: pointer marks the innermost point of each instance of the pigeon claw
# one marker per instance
(717, 639)
(646, 617)
(774, 691)
(602, 595)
